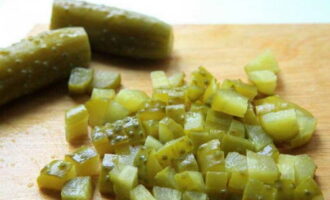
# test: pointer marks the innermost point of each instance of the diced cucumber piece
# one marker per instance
(80, 80)
(264, 61)
(159, 80)
(76, 123)
(54, 175)
(132, 100)
(230, 102)
(141, 193)
(210, 157)
(262, 168)
(163, 193)
(79, 188)
(86, 160)
(190, 180)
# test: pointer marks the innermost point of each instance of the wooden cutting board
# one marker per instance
(32, 128)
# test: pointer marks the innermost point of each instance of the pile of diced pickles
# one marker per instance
(189, 141)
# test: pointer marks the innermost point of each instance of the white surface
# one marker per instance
(17, 17)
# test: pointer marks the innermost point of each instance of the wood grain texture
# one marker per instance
(32, 128)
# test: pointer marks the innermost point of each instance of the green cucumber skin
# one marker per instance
(116, 31)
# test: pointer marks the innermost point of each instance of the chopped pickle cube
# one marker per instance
(270, 150)
(218, 120)
(163, 193)
(307, 189)
(141, 193)
(304, 168)
(152, 110)
(286, 167)
(190, 180)
(132, 100)
(281, 125)
(187, 163)
(250, 116)
(115, 111)
(106, 80)
(237, 129)
(76, 123)
(101, 141)
(104, 183)
(194, 92)
(257, 190)
(210, 157)
(147, 164)
(236, 165)
(165, 178)
(199, 138)
(123, 132)
(237, 144)
(77, 188)
(99, 93)
(307, 125)
(176, 79)
(176, 112)
(258, 137)
(97, 109)
(174, 149)
(194, 121)
(151, 127)
(201, 77)
(216, 182)
(124, 181)
(152, 142)
(159, 80)
(86, 160)
(262, 168)
(54, 175)
(80, 80)
(247, 90)
(264, 61)
(210, 91)
(169, 130)
(285, 189)
(264, 80)
(192, 195)
(230, 102)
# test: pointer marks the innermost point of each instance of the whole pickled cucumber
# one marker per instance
(40, 60)
(115, 31)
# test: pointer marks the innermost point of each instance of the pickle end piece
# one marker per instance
(80, 80)
(86, 160)
(76, 123)
(54, 175)
(77, 188)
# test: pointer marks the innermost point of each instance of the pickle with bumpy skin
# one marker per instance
(116, 31)
(40, 60)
